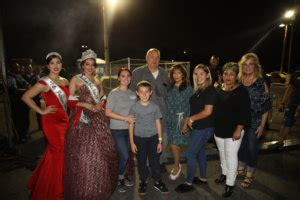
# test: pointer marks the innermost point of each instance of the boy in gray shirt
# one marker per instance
(146, 137)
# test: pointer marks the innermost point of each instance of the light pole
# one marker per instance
(291, 14)
(106, 39)
(106, 4)
(283, 47)
(289, 17)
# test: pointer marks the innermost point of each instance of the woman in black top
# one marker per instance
(201, 123)
(231, 117)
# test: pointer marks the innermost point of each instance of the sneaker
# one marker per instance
(198, 181)
(160, 186)
(121, 185)
(142, 188)
(128, 182)
(183, 188)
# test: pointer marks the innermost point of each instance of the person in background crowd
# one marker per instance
(46, 181)
(177, 103)
(215, 70)
(17, 86)
(158, 78)
(232, 116)
(91, 157)
(251, 78)
(201, 124)
(290, 102)
(119, 102)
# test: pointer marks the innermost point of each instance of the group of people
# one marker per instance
(88, 150)
(19, 79)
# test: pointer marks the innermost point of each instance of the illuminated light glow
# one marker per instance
(281, 25)
(112, 3)
(289, 14)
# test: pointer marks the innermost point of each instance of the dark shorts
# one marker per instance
(290, 110)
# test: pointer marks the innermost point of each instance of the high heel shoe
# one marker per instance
(174, 177)
(221, 179)
(227, 191)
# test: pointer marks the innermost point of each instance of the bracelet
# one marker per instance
(191, 121)
(262, 126)
(160, 140)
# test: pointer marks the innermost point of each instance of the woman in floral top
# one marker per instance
(251, 78)
(177, 109)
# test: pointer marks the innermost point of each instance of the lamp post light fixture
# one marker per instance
(283, 46)
(289, 18)
(106, 4)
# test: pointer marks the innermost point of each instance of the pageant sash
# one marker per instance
(91, 86)
(59, 93)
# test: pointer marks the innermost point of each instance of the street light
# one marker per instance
(105, 5)
(283, 46)
(289, 17)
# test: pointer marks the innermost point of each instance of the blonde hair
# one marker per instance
(150, 50)
(207, 83)
(258, 70)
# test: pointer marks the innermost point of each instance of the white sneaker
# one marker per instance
(174, 177)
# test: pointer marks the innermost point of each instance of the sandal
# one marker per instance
(247, 181)
(241, 172)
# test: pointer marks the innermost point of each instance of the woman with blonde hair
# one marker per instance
(201, 123)
(251, 78)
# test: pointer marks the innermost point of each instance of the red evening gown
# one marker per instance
(46, 182)
(91, 158)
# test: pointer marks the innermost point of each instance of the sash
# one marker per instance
(59, 93)
(91, 86)
(94, 93)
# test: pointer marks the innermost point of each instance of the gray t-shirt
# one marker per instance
(146, 116)
(120, 102)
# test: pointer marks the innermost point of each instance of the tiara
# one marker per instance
(88, 54)
(53, 54)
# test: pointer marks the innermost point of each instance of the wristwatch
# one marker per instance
(160, 140)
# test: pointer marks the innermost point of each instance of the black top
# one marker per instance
(232, 109)
(201, 98)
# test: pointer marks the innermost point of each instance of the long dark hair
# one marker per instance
(185, 81)
(45, 70)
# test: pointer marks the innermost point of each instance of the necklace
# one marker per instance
(229, 88)
(247, 81)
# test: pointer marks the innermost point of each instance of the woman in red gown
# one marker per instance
(46, 181)
(91, 158)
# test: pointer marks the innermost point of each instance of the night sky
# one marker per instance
(32, 28)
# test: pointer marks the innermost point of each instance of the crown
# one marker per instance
(88, 54)
(53, 54)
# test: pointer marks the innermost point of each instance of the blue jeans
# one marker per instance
(122, 144)
(249, 149)
(196, 152)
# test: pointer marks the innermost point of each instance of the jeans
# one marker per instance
(196, 152)
(147, 149)
(249, 150)
(122, 144)
(228, 152)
